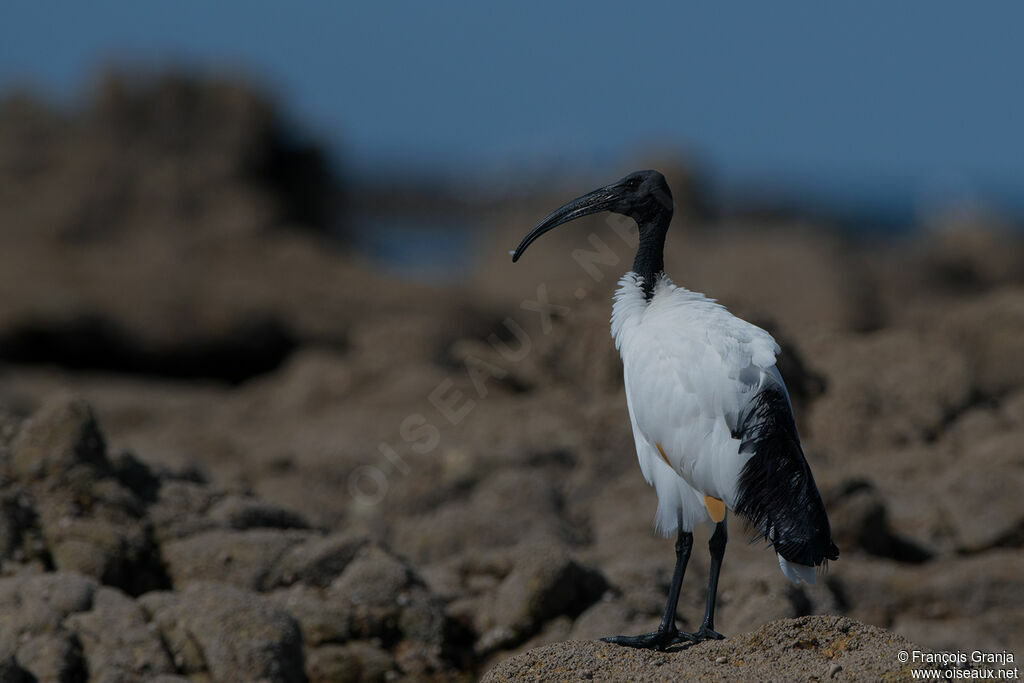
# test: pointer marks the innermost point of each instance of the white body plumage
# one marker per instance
(691, 370)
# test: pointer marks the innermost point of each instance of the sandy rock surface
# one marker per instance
(808, 648)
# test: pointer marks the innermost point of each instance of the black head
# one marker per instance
(643, 196)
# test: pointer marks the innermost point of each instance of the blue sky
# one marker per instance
(916, 99)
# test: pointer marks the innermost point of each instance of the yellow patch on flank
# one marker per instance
(716, 508)
(663, 456)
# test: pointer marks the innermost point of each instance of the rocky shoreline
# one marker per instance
(232, 448)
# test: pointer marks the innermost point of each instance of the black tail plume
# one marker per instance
(777, 493)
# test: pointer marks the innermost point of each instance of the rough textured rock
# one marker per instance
(915, 381)
(503, 510)
(991, 326)
(59, 439)
(243, 512)
(229, 632)
(352, 663)
(90, 522)
(815, 648)
(244, 558)
(860, 520)
(51, 657)
(32, 632)
(117, 641)
(318, 560)
(322, 619)
(544, 583)
(387, 599)
(987, 511)
(38, 602)
(12, 672)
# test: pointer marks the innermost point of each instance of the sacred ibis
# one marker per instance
(711, 416)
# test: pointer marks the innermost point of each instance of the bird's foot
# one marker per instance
(656, 640)
(706, 633)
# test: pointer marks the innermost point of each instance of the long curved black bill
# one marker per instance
(597, 201)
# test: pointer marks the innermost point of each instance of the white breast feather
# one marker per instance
(690, 369)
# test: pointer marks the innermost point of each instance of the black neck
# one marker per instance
(650, 255)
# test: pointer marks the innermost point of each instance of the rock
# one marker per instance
(61, 436)
(317, 561)
(181, 509)
(991, 326)
(507, 508)
(117, 641)
(602, 619)
(34, 608)
(232, 633)
(243, 512)
(387, 600)
(20, 537)
(89, 521)
(885, 389)
(12, 672)
(790, 649)
(996, 628)
(243, 558)
(121, 555)
(321, 619)
(545, 583)
(980, 496)
(860, 520)
(355, 662)
(748, 605)
(959, 587)
(36, 602)
(51, 657)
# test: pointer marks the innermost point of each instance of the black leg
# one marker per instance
(717, 547)
(667, 633)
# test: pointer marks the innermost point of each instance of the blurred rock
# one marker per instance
(117, 641)
(183, 181)
(318, 560)
(886, 389)
(32, 633)
(387, 599)
(860, 521)
(988, 329)
(88, 520)
(355, 662)
(321, 619)
(996, 627)
(600, 620)
(51, 657)
(180, 153)
(12, 672)
(507, 508)
(544, 583)
(980, 498)
(243, 558)
(58, 439)
(228, 632)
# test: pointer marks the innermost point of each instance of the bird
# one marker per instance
(711, 416)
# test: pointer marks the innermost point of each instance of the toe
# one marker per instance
(709, 634)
